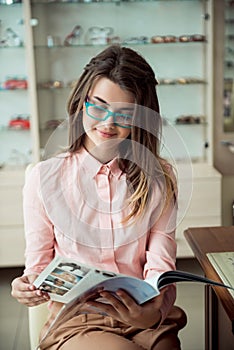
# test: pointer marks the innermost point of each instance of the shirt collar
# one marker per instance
(94, 166)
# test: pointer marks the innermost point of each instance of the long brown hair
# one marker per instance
(128, 69)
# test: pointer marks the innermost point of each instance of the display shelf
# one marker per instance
(191, 125)
(58, 85)
(90, 2)
(11, 5)
(2, 47)
(102, 46)
(17, 90)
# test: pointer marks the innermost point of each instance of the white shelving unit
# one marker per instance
(13, 87)
(183, 68)
(188, 65)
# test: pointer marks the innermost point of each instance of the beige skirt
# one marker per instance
(95, 331)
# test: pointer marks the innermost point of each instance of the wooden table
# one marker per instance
(219, 304)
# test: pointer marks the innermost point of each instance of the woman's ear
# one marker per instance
(83, 107)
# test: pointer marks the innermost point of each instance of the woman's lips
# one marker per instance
(105, 134)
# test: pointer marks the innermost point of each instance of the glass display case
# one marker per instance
(15, 140)
(172, 35)
(223, 102)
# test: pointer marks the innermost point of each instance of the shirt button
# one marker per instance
(105, 169)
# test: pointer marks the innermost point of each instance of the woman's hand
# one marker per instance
(26, 293)
(124, 309)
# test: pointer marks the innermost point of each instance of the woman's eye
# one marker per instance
(99, 111)
(124, 118)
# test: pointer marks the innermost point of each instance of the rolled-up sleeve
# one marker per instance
(39, 233)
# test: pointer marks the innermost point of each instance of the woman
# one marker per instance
(110, 201)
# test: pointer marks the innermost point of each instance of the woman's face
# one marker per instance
(101, 126)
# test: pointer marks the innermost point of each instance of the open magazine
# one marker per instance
(65, 280)
(73, 283)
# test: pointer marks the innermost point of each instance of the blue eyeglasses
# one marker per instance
(100, 113)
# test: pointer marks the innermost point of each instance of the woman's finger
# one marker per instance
(115, 301)
(26, 293)
(126, 299)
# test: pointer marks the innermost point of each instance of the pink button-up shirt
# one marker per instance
(74, 206)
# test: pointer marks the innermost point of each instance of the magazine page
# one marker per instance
(139, 290)
(62, 277)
